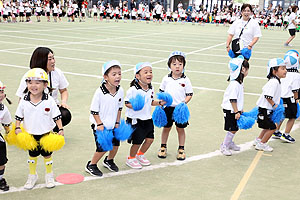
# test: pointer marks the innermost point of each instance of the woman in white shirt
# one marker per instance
(292, 25)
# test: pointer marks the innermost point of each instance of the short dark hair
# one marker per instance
(270, 75)
(177, 57)
(245, 5)
(39, 58)
(294, 8)
(241, 76)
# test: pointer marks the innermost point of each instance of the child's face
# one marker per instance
(114, 76)
(2, 95)
(145, 75)
(51, 62)
(281, 72)
(176, 67)
(36, 87)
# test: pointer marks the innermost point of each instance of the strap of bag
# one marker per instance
(243, 28)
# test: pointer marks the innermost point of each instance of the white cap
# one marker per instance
(176, 53)
(109, 64)
(235, 66)
(140, 66)
(291, 59)
(275, 62)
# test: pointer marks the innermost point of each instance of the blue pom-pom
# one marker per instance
(231, 54)
(245, 122)
(137, 102)
(181, 113)
(252, 113)
(298, 111)
(104, 138)
(246, 53)
(278, 113)
(165, 97)
(124, 131)
(159, 117)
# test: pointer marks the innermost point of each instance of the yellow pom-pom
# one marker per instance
(52, 142)
(11, 137)
(26, 141)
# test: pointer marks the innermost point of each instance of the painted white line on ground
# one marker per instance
(244, 147)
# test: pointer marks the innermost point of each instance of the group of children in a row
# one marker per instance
(38, 106)
(283, 85)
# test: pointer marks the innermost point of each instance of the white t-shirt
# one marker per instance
(144, 113)
(106, 106)
(290, 83)
(271, 90)
(234, 91)
(158, 9)
(179, 89)
(292, 17)
(5, 117)
(57, 82)
(39, 118)
(251, 31)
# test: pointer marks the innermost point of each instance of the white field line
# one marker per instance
(244, 147)
(100, 77)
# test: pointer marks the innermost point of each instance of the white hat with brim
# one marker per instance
(176, 53)
(291, 59)
(235, 66)
(140, 66)
(37, 74)
(109, 64)
(275, 62)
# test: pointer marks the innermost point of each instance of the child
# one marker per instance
(141, 120)
(233, 101)
(106, 110)
(289, 95)
(5, 120)
(40, 114)
(180, 88)
(95, 11)
(268, 102)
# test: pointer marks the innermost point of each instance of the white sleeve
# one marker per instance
(232, 28)
(188, 87)
(120, 104)
(20, 111)
(22, 87)
(233, 91)
(256, 30)
(63, 83)
(95, 102)
(6, 118)
(128, 94)
(162, 86)
(269, 89)
(55, 112)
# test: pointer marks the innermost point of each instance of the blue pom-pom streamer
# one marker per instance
(246, 53)
(278, 113)
(231, 54)
(124, 131)
(298, 111)
(165, 97)
(252, 113)
(137, 102)
(181, 113)
(245, 122)
(104, 138)
(159, 117)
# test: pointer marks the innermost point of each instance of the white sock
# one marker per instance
(228, 138)
(276, 131)
(286, 133)
(1, 176)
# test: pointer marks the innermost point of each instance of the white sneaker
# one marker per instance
(256, 141)
(234, 147)
(133, 163)
(143, 160)
(225, 150)
(263, 147)
(31, 181)
(49, 179)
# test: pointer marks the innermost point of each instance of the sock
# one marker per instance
(32, 161)
(129, 157)
(1, 173)
(181, 147)
(228, 138)
(140, 153)
(163, 145)
(48, 164)
(286, 133)
(276, 131)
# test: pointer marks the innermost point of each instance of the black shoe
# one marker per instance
(93, 169)
(3, 185)
(109, 164)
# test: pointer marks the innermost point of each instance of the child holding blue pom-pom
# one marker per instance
(268, 103)
(140, 118)
(180, 88)
(289, 94)
(233, 102)
(105, 116)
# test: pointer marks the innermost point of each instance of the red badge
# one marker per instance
(182, 84)
(47, 109)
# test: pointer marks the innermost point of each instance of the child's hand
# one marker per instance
(237, 116)
(100, 128)
(275, 106)
(17, 131)
(117, 125)
(162, 102)
(61, 132)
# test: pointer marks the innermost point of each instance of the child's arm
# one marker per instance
(274, 105)
(158, 103)
(235, 110)
(296, 96)
(18, 129)
(187, 99)
(100, 125)
(118, 118)
(60, 127)
(7, 129)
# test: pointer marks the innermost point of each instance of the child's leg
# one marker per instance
(134, 149)
(97, 156)
(289, 126)
(266, 136)
(145, 146)
(112, 153)
(165, 135)
(181, 136)
(32, 162)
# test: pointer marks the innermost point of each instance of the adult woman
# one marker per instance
(43, 57)
(292, 25)
(246, 30)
